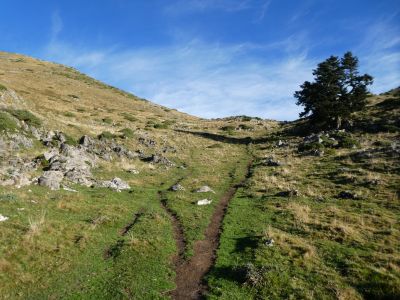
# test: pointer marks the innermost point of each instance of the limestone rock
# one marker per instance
(205, 189)
(51, 179)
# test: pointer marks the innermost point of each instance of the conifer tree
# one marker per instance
(337, 91)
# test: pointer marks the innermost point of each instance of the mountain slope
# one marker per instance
(100, 194)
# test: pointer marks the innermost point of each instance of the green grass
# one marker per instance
(2, 88)
(26, 116)
(7, 123)
(127, 133)
(325, 248)
(107, 120)
(67, 234)
(106, 135)
(69, 114)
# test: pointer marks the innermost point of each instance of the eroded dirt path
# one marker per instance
(190, 273)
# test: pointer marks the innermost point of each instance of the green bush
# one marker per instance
(2, 88)
(6, 122)
(346, 140)
(310, 146)
(26, 116)
(127, 133)
(106, 135)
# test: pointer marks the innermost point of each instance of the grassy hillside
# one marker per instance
(87, 208)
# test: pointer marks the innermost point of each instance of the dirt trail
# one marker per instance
(190, 274)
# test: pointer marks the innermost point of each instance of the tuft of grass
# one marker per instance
(7, 123)
(26, 116)
(129, 117)
(2, 88)
(127, 133)
(107, 120)
(106, 135)
(69, 114)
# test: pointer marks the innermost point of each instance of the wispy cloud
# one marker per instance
(263, 10)
(380, 53)
(56, 25)
(195, 6)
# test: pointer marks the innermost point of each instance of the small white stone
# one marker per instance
(204, 202)
(3, 218)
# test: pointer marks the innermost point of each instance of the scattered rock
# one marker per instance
(3, 218)
(269, 242)
(148, 142)
(18, 141)
(205, 189)
(271, 162)
(177, 187)
(313, 138)
(86, 141)
(116, 184)
(281, 144)
(204, 202)
(317, 152)
(133, 171)
(158, 159)
(51, 179)
(50, 154)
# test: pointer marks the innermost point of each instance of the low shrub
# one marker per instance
(310, 146)
(2, 88)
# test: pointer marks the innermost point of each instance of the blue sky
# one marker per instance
(210, 58)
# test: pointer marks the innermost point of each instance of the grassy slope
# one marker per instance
(54, 243)
(325, 248)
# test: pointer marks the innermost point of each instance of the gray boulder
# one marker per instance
(116, 184)
(51, 179)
